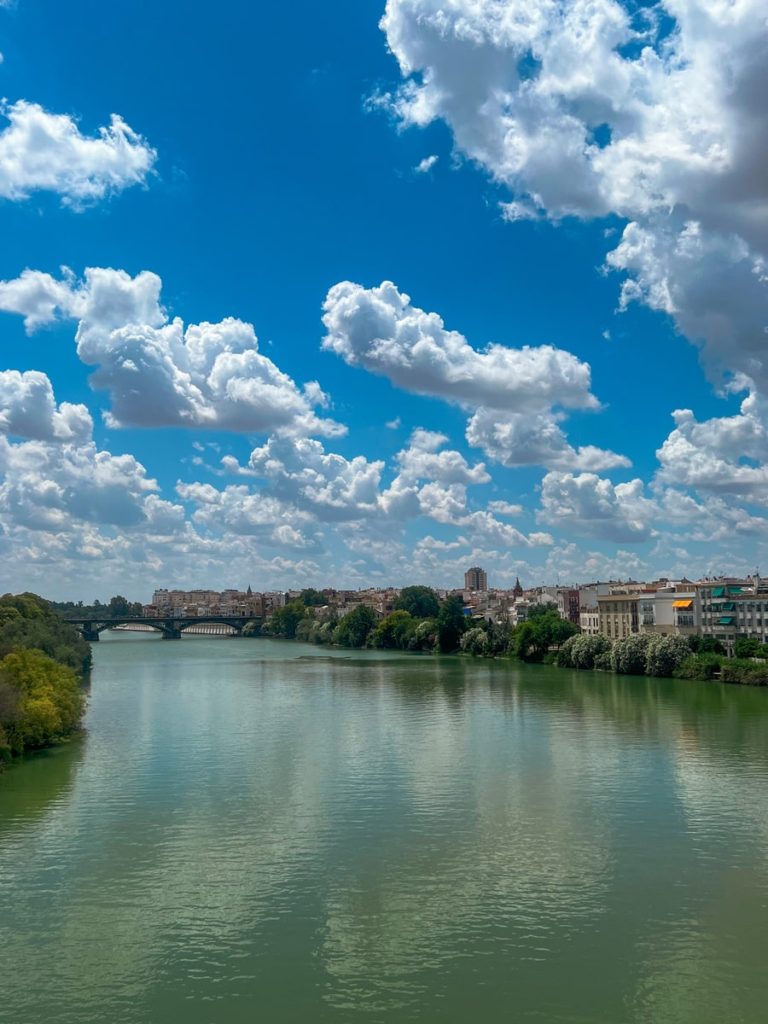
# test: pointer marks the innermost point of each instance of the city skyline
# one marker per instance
(414, 289)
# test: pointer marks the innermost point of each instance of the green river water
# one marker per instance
(253, 830)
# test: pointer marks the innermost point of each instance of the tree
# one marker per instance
(748, 647)
(119, 605)
(535, 611)
(42, 700)
(305, 628)
(284, 621)
(451, 624)
(705, 645)
(27, 621)
(394, 631)
(476, 642)
(533, 638)
(424, 636)
(354, 627)
(312, 598)
(420, 602)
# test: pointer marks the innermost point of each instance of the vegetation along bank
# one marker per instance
(42, 664)
(422, 622)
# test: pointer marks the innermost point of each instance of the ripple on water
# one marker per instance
(378, 838)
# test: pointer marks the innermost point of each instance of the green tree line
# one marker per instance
(117, 605)
(422, 622)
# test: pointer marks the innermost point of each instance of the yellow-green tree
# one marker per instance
(40, 701)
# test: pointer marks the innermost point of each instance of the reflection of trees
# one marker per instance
(332, 833)
(729, 719)
(32, 786)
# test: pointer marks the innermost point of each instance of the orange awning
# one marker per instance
(682, 604)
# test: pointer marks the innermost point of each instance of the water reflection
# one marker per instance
(385, 838)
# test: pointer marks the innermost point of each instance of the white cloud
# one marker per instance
(513, 392)
(28, 409)
(301, 473)
(423, 460)
(592, 506)
(50, 486)
(426, 165)
(379, 329)
(724, 454)
(505, 508)
(159, 372)
(41, 151)
(520, 439)
(656, 114)
(714, 286)
(238, 511)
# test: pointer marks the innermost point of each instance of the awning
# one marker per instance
(718, 592)
(726, 620)
(682, 604)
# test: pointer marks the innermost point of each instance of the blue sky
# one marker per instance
(574, 184)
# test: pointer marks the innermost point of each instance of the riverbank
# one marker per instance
(649, 655)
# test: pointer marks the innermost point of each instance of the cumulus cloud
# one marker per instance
(520, 439)
(505, 508)
(591, 107)
(41, 151)
(159, 372)
(300, 472)
(589, 505)
(379, 330)
(28, 409)
(422, 459)
(713, 285)
(516, 393)
(725, 454)
(47, 485)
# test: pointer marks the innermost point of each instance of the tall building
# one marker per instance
(475, 579)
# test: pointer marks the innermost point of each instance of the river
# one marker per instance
(263, 830)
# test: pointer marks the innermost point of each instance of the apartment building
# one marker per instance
(670, 610)
(475, 579)
(733, 608)
(619, 615)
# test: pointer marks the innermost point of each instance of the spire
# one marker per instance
(249, 592)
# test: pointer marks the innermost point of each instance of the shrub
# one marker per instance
(424, 637)
(582, 651)
(304, 629)
(748, 672)
(629, 654)
(476, 642)
(665, 654)
(699, 666)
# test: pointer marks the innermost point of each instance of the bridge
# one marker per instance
(170, 626)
